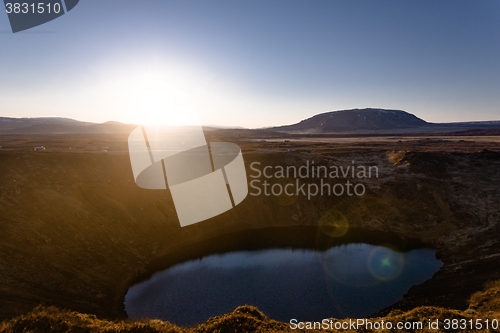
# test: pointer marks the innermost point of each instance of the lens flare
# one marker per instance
(333, 223)
(385, 264)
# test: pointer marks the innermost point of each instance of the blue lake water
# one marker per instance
(353, 280)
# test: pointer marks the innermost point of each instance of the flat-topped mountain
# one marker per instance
(356, 120)
(371, 120)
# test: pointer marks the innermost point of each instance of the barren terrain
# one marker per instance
(77, 231)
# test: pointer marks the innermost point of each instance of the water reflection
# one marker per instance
(353, 280)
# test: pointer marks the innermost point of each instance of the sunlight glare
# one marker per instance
(154, 98)
(170, 108)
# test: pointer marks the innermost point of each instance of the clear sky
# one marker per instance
(255, 63)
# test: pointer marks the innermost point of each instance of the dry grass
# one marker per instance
(52, 319)
(483, 305)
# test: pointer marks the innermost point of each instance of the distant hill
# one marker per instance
(356, 120)
(377, 120)
(7, 123)
(351, 122)
(55, 125)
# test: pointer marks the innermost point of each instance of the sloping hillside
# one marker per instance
(356, 120)
(77, 231)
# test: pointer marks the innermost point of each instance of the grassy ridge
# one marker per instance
(483, 305)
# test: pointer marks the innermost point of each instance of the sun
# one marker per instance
(168, 107)
(154, 98)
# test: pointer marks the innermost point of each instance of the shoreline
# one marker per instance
(294, 237)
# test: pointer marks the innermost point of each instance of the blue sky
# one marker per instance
(255, 63)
